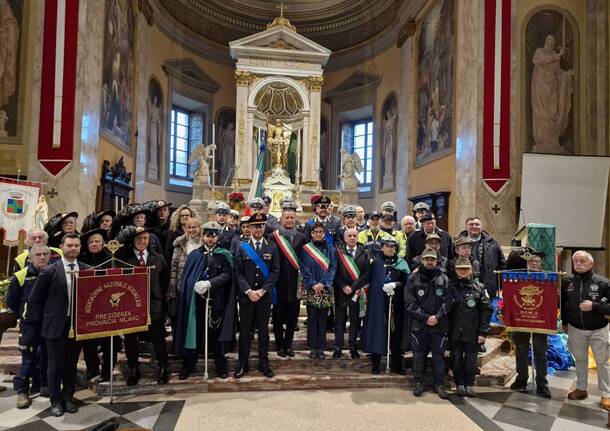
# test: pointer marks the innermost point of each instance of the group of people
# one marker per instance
(401, 287)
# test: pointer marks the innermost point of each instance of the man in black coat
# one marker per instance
(324, 216)
(345, 305)
(416, 243)
(257, 269)
(221, 212)
(487, 251)
(136, 251)
(54, 295)
(289, 242)
(428, 299)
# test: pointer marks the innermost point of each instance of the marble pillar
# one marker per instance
(243, 161)
(77, 186)
(311, 157)
(406, 134)
(141, 111)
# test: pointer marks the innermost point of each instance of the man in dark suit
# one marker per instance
(54, 295)
(136, 251)
(257, 269)
(286, 308)
(351, 252)
(416, 243)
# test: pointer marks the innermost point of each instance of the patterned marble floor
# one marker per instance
(494, 409)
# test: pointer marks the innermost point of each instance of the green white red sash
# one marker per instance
(317, 255)
(350, 265)
(287, 249)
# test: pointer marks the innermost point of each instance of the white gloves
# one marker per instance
(201, 287)
(388, 288)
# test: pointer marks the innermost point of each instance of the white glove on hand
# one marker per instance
(388, 288)
(201, 287)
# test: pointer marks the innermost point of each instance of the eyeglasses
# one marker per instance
(323, 206)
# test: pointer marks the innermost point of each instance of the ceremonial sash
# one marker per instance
(287, 249)
(252, 254)
(350, 265)
(317, 255)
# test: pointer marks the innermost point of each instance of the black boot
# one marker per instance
(163, 374)
(376, 359)
(188, 365)
(133, 376)
(397, 365)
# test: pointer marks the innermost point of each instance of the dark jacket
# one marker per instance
(159, 279)
(169, 242)
(332, 226)
(582, 287)
(342, 277)
(476, 269)
(248, 276)
(286, 286)
(49, 296)
(471, 311)
(428, 293)
(225, 237)
(416, 243)
(442, 263)
(235, 241)
(383, 269)
(312, 273)
(19, 288)
(489, 254)
(103, 257)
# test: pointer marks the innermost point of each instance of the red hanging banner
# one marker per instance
(58, 85)
(530, 301)
(111, 302)
(496, 95)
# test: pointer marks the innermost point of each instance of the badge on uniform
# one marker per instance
(471, 303)
(594, 288)
(420, 292)
(440, 291)
(267, 256)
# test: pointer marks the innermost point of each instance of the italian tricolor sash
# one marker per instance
(287, 249)
(350, 265)
(317, 256)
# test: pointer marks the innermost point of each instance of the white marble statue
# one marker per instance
(389, 125)
(41, 213)
(155, 133)
(351, 165)
(202, 154)
(551, 98)
(9, 38)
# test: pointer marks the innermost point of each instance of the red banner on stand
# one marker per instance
(530, 301)
(111, 302)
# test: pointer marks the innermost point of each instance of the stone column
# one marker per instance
(406, 112)
(243, 131)
(77, 186)
(141, 110)
(311, 157)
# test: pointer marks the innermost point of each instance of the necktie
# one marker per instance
(71, 287)
(142, 263)
(258, 246)
(352, 252)
(72, 266)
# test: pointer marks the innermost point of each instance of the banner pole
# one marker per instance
(533, 367)
(112, 366)
(387, 364)
(207, 316)
(8, 261)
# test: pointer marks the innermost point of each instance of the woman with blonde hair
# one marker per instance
(176, 228)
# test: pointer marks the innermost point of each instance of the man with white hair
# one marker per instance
(35, 236)
(584, 306)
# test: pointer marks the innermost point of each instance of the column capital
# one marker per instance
(314, 83)
(244, 78)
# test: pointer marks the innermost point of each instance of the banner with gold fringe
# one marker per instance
(111, 302)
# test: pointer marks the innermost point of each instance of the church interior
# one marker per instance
(458, 104)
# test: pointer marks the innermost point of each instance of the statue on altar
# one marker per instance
(278, 136)
(201, 155)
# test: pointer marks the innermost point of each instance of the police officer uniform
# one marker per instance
(332, 225)
(250, 277)
(419, 209)
(226, 233)
(428, 294)
(469, 319)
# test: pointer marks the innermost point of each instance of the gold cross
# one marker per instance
(281, 8)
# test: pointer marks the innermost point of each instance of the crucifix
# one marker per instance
(495, 209)
(281, 8)
(52, 193)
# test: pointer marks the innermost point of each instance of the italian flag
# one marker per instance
(256, 189)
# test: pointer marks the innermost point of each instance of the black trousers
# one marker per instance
(522, 344)
(429, 339)
(251, 313)
(62, 355)
(464, 356)
(33, 369)
(316, 327)
(214, 346)
(92, 359)
(156, 332)
(285, 317)
(346, 308)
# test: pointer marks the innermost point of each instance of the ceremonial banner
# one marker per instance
(18, 200)
(111, 302)
(530, 301)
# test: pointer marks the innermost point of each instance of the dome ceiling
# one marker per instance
(338, 25)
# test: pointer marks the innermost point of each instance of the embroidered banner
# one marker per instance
(530, 301)
(111, 302)
(18, 210)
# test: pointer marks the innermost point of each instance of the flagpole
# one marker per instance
(111, 367)
(207, 316)
(387, 362)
